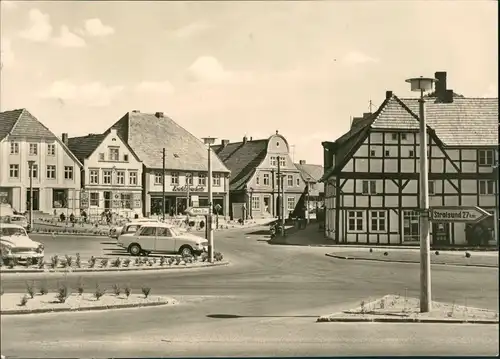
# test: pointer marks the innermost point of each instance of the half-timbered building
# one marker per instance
(372, 172)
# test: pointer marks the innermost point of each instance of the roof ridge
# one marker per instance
(18, 118)
(406, 107)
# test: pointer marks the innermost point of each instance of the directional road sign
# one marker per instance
(465, 214)
(198, 211)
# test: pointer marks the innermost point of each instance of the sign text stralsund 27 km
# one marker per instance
(470, 214)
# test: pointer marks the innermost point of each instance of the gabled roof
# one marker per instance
(21, 123)
(241, 158)
(83, 147)
(314, 172)
(147, 134)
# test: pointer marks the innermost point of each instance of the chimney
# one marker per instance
(136, 111)
(302, 162)
(224, 143)
(244, 139)
(440, 86)
(388, 95)
(448, 96)
(65, 138)
(366, 114)
(251, 138)
(159, 114)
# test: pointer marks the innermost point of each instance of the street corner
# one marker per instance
(401, 309)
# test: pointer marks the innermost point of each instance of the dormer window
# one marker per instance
(114, 154)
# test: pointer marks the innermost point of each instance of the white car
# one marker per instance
(19, 220)
(162, 238)
(15, 244)
(115, 232)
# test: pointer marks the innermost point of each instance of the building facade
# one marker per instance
(256, 167)
(186, 162)
(315, 190)
(55, 171)
(372, 177)
(112, 174)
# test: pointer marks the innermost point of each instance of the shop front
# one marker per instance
(6, 195)
(176, 202)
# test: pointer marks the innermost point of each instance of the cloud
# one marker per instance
(492, 91)
(93, 94)
(39, 29)
(95, 27)
(4, 4)
(6, 54)
(357, 58)
(69, 39)
(209, 69)
(155, 88)
(190, 30)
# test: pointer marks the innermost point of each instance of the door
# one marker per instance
(267, 204)
(36, 199)
(107, 200)
(147, 238)
(440, 234)
(165, 240)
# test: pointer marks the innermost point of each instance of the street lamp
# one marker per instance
(423, 84)
(209, 141)
(30, 166)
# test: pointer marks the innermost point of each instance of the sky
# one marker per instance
(230, 69)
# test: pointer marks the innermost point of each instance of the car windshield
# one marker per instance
(13, 232)
(132, 229)
(174, 231)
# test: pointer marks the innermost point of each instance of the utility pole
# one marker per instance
(188, 204)
(163, 184)
(210, 141)
(278, 179)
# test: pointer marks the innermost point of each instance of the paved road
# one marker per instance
(264, 303)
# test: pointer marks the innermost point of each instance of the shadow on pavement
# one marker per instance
(235, 316)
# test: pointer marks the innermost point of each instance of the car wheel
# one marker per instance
(134, 249)
(186, 251)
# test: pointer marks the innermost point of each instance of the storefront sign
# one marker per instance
(185, 188)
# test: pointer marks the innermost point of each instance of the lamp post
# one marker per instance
(30, 166)
(422, 84)
(308, 184)
(282, 204)
(209, 141)
(188, 188)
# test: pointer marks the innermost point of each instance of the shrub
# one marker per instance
(24, 300)
(382, 303)
(171, 261)
(162, 261)
(54, 261)
(126, 262)
(436, 253)
(64, 263)
(137, 262)
(127, 290)
(116, 263)
(78, 261)
(41, 263)
(43, 288)
(69, 260)
(62, 293)
(150, 263)
(104, 262)
(196, 258)
(386, 253)
(467, 255)
(92, 262)
(80, 287)
(218, 256)
(204, 257)
(116, 289)
(178, 260)
(12, 263)
(30, 289)
(362, 307)
(146, 291)
(98, 293)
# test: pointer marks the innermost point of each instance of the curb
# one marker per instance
(405, 320)
(84, 309)
(100, 270)
(68, 234)
(408, 261)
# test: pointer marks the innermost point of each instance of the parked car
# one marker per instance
(15, 244)
(162, 238)
(19, 220)
(115, 232)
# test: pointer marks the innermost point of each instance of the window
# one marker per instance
(485, 157)
(411, 153)
(14, 148)
(256, 202)
(257, 180)
(94, 199)
(290, 180)
(68, 172)
(189, 179)
(132, 178)
(34, 168)
(51, 149)
(394, 136)
(216, 179)
(164, 232)
(51, 172)
(120, 177)
(175, 178)
(298, 181)
(387, 153)
(378, 221)
(94, 177)
(127, 200)
(106, 177)
(430, 186)
(411, 226)
(158, 178)
(282, 161)
(486, 187)
(202, 179)
(369, 187)
(114, 154)
(355, 221)
(372, 153)
(403, 136)
(33, 149)
(101, 156)
(290, 203)
(59, 198)
(277, 144)
(125, 158)
(266, 179)
(14, 171)
(148, 231)
(272, 161)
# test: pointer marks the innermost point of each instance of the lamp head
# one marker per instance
(421, 84)
(209, 140)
